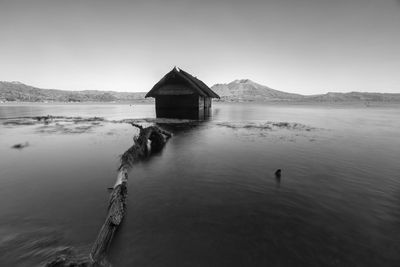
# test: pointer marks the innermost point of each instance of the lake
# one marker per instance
(210, 198)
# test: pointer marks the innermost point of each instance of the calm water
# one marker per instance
(211, 197)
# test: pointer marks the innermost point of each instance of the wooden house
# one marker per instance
(180, 95)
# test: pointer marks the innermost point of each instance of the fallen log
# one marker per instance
(116, 212)
(150, 139)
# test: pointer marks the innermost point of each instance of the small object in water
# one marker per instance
(20, 146)
(278, 173)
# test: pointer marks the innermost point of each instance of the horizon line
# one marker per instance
(244, 79)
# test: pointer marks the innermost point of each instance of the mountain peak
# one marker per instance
(247, 90)
(243, 81)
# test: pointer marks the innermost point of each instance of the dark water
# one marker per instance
(211, 197)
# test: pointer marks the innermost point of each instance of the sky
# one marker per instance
(298, 46)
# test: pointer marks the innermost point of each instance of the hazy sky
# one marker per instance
(303, 46)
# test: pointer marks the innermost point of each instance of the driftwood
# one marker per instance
(150, 139)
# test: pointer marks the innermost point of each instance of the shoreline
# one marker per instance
(365, 104)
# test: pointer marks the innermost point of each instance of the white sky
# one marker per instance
(300, 46)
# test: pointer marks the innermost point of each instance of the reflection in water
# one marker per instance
(205, 200)
(278, 182)
(189, 113)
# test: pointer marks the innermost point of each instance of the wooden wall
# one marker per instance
(177, 106)
(174, 89)
(183, 106)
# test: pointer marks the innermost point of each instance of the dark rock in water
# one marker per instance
(20, 146)
(278, 173)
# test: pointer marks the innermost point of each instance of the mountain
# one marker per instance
(354, 97)
(245, 90)
(17, 91)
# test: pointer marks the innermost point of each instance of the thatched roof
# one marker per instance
(193, 83)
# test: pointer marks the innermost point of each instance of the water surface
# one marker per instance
(211, 197)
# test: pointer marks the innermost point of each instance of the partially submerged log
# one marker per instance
(116, 212)
(117, 205)
(150, 139)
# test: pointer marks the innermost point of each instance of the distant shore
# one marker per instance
(365, 104)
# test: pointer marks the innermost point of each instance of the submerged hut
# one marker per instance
(180, 95)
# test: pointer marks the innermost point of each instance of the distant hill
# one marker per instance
(243, 90)
(16, 91)
(354, 96)
(246, 90)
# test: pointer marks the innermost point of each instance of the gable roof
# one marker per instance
(198, 86)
